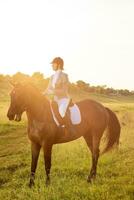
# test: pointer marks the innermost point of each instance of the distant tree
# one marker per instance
(92, 89)
(38, 79)
(124, 92)
(82, 85)
(20, 77)
(99, 89)
(38, 76)
(73, 88)
(2, 78)
(110, 91)
(132, 92)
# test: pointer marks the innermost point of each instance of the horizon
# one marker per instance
(90, 85)
(95, 39)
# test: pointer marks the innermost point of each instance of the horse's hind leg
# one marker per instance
(88, 139)
(93, 142)
(35, 148)
(95, 156)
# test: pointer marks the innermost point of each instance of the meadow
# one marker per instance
(70, 162)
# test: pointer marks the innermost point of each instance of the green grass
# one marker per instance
(70, 162)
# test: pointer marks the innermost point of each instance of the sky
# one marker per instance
(94, 37)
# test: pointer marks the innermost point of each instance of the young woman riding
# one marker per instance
(57, 90)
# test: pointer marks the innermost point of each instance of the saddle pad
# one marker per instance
(75, 114)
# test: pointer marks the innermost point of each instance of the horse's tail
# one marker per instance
(113, 133)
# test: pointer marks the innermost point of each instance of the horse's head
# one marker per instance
(18, 102)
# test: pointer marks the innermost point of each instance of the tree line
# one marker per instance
(41, 82)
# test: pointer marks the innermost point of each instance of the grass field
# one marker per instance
(70, 163)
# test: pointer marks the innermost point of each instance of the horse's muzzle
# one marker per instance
(11, 117)
(16, 117)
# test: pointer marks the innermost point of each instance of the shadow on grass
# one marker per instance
(9, 171)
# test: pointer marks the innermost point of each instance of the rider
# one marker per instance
(58, 90)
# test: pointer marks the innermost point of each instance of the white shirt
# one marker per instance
(62, 103)
(55, 77)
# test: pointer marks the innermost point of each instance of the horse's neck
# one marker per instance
(38, 109)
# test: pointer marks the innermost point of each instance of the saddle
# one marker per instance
(66, 120)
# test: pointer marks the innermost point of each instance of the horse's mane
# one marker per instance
(35, 92)
(32, 88)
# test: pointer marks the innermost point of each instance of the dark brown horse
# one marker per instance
(43, 132)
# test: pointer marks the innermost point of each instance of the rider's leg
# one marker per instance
(56, 112)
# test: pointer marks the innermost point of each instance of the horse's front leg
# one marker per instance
(47, 159)
(35, 150)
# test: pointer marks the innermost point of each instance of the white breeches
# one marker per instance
(62, 105)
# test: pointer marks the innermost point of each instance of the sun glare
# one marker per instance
(95, 42)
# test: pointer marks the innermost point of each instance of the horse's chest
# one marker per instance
(35, 130)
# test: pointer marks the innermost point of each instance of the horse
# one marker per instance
(43, 132)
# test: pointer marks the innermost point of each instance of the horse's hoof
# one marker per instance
(47, 182)
(89, 180)
(31, 184)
